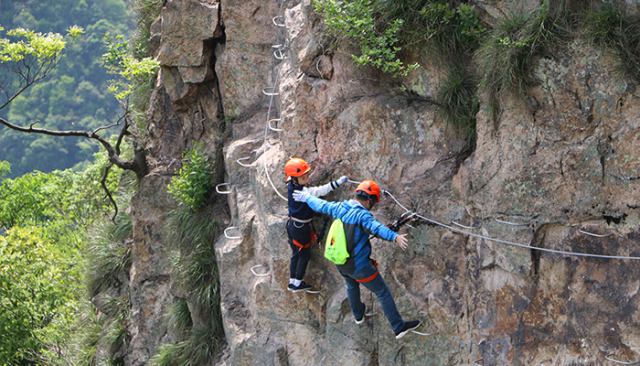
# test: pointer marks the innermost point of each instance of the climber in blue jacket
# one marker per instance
(359, 268)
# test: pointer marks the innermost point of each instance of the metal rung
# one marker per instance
(425, 334)
(280, 54)
(222, 185)
(273, 128)
(245, 165)
(259, 275)
(231, 237)
(317, 292)
(499, 219)
(620, 362)
(465, 227)
(592, 234)
(272, 93)
(278, 24)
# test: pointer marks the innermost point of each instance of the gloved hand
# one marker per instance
(300, 196)
(341, 180)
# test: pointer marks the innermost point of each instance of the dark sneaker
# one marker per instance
(290, 287)
(303, 287)
(360, 321)
(408, 326)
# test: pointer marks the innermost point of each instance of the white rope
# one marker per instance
(528, 246)
(268, 127)
(508, 242)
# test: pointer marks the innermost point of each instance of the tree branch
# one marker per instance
(103, 182)
(135, 165)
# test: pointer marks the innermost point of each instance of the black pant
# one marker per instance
(301, 233)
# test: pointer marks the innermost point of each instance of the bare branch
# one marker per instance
(103, 183)
(107, 127)
(136, 165)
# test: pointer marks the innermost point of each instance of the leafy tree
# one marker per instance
(44, 220)
(84, 100)
(39, 288)
(34, 55)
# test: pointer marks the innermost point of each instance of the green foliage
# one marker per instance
(199, 349)
(62, 201)
(147, 11)
(505, 57)
(194, 235)
(379, 43)
(459, 102)
(179, 316)
(453, 32)
(382, 29)
(46, 217)
(5, 168)
(108, 254)
(610, 26)
(94, 329)
(133, 72)
(195, 178)
(45, 48)
(74, 95)
(38, 294)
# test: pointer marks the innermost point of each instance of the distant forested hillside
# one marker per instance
(75, 96)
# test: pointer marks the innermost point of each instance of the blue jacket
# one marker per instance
(358, 225)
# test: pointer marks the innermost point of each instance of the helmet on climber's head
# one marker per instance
(369, 189)
(295, 168)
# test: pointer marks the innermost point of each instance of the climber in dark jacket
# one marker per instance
(359, 268)
(299, 227)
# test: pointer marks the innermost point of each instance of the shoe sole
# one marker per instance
(360, 321)
(403, 333)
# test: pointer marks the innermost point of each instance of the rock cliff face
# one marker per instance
(561, 161)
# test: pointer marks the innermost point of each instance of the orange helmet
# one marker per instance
(371, 188)
(296, 167)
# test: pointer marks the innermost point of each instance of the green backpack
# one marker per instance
(336, 248)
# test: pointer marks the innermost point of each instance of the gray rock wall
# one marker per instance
(561, 159)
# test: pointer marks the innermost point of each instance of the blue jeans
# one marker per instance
(378, 287)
